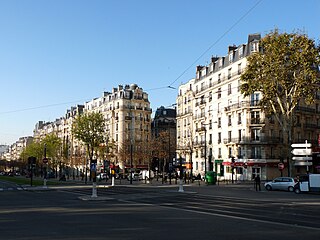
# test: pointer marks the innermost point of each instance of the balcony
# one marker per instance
(258, 140)
(305, 109)
(243, 104)
(200, 103)
(257, 121)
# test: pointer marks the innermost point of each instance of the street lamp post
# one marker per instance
(45, 161)
(131, 166)
(205, 153)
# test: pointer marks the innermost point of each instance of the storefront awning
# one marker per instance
(243, 164)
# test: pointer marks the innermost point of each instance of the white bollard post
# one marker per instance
(112, 183)
(94, 190)
(181, 185)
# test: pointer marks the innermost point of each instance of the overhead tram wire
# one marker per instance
(39, 107)
(222, 36)
(152, 89)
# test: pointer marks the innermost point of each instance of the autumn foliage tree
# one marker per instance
(286, 72)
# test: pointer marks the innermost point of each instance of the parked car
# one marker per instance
(135, 176)
(281, 183)
(102, 176)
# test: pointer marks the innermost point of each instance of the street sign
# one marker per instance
(280, 166)
(45, 160)
(301, 158)
(301, 151)
(301, 145)
(303, 163)
(93, 167)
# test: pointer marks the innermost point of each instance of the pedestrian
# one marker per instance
(257, 182)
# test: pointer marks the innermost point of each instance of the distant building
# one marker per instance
(3, 150)
(127, 115)
(165, 121)
(13, 152)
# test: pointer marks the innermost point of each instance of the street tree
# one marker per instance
(89, 128)
(52, 145)
(286, 72)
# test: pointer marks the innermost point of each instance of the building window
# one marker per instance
(240, 52)
(202, 86)
(230, 152)
(230, 57)
(229, 73)
(239, 135)
(239, 118)
(219, 93)
(219, 122)
(256, 152)
(254, 99)
(254, 46)
(239, 68)
(229, 120)
(219, 153)
(219, 78)
(219, 137)
(229, 89)
(255, 134)
(240, 153)
(229, 136)
(255, 117)
(220, 62)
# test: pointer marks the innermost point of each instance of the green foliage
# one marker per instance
(90, 129)
(53, 145)
(285, 72)
(26, 181)
(34, 149)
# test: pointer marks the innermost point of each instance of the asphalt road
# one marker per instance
(158, 212)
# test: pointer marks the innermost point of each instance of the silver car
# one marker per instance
(281, 183)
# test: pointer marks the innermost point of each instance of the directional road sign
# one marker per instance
(301, 145)
(303, 163)
(295, 158)
(301, 151)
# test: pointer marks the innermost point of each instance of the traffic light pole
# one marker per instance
(181, 176)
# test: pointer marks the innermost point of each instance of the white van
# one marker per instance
(308, 183)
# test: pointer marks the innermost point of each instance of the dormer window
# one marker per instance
(220, 63)
(255, 46)
(230, 57)
(240, 52)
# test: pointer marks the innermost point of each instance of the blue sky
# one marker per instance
(55, 54)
